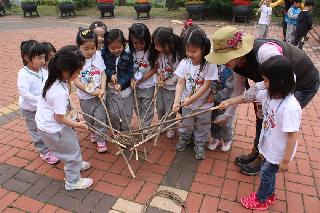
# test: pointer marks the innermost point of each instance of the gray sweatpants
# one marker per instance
(263, 31)
(122, 107)
(65, 145)
(29, 116)
(200, 133)
(291, 29)
(144, 99)
(164, 103)
(224, 132)
(94, 108)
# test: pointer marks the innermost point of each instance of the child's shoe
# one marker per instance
(171, 134)
(214, 143)
(49, 158)
(226, 146)
(93, 138)
(83, 183)
(181, 145)
(272, 199)
(252, 202)
(101, 146)
(200, 152)
(85, 165)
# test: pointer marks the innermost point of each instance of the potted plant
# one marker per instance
(29, 6)
(195, 7)
(106, 6)
(66, 7)
(142, 6)
(241, 9)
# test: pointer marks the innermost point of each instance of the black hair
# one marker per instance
(69, 58)
(166, 37)
(297, 1)
(31, 49)
(112, 36)
(279, 72)
(49, 48)
(309, 3)
(96, 24)
(86, 35)
(139, 31)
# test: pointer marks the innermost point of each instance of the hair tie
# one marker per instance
(85, 32)
(188, 23)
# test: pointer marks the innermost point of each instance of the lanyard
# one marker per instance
(33, 73)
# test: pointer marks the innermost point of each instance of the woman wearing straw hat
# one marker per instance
(244, 54)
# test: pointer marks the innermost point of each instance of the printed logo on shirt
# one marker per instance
(91, 78)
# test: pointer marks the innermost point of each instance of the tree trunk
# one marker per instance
(171, 4)
(6, 3)
(122, 2)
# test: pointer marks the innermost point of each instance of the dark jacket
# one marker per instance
(124, 68)
(304, 23)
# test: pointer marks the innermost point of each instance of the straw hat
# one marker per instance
(229, 43)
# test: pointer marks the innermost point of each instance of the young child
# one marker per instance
(119, 70)
(165, 54)
(30, 80)
(54, 123)
(143, 76)
(91, 85)
(281, 122)
(265, 18)
(291, 19)
(195, 76)
(304, 24)
(221, 90)
(99, 28)
(50, 51)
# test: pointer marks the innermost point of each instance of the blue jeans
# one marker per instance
(267, 180)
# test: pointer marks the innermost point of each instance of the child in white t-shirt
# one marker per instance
(91, 85)
(54, 120)
(195, 76)
(30, 80)
(281, 122)
(265, 18)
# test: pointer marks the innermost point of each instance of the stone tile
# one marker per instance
(104, 204)
(8, 174)
(123, 205)
(3, 168)
(166, 203)
(27, 176)
(65, 202)
(50, 190)
(155, 210)
(16, 185)
(36, 188)
(78, 194)
(92, 199)
(171, 177)
(185, 180)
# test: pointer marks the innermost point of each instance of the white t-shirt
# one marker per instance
(280, 117)
(56, 102)
(167, 69)
(266, 13)
(30, 87)
(195, 79)
(90, 75)
(140, 67)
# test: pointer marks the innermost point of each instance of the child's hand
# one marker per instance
(101, 94)
(224, 104)
(210, 98)
(96, 92)
(82, 125)
(221, 119)
(161, 81)
(80, 117)
(134, 83)
(176, 107)
(283, 166)
(187, 102)
(114, 79)
(117, 87)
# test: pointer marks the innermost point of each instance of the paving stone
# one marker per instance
(152, 209)
(36, 188)
(27, 176)
(185, 180)
(65, 202)
(16, 185)
(78, 194)
(8, 174)
(49, 191)
(3, 168)
(90, 201)
(171, 177)
(105, 204)
(4, 120)
(123, 205)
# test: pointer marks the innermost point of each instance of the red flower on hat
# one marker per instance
(236, 40)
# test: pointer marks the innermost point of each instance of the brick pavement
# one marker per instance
(27, 184)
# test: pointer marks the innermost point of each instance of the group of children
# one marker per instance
(298, 21)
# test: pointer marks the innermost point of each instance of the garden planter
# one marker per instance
(2, 10)
(142, 8)
(29, 7)
(195, 9)
(106, 8)
(66, 9)
(241, 12)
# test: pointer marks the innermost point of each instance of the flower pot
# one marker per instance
(66, 9)
(29, 7)
(142, 8)
(241, 12)
(106, 8)
(195, 9)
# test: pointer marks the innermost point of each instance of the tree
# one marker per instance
(122, 2)
(171, 4)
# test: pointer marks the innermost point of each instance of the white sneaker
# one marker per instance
(214, 144)
(226, 146)
(171, 134)
(83, 183)
(85, 165)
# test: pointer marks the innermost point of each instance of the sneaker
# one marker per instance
(83, 183)
(93, 138)
(171, 134)
(85, 165)
(252, 202)
(213, 144)
(200, 152)
(254, 167)
(245, 159)
(49, 158)
(181, 145)
(226, 146)
(101, 146)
